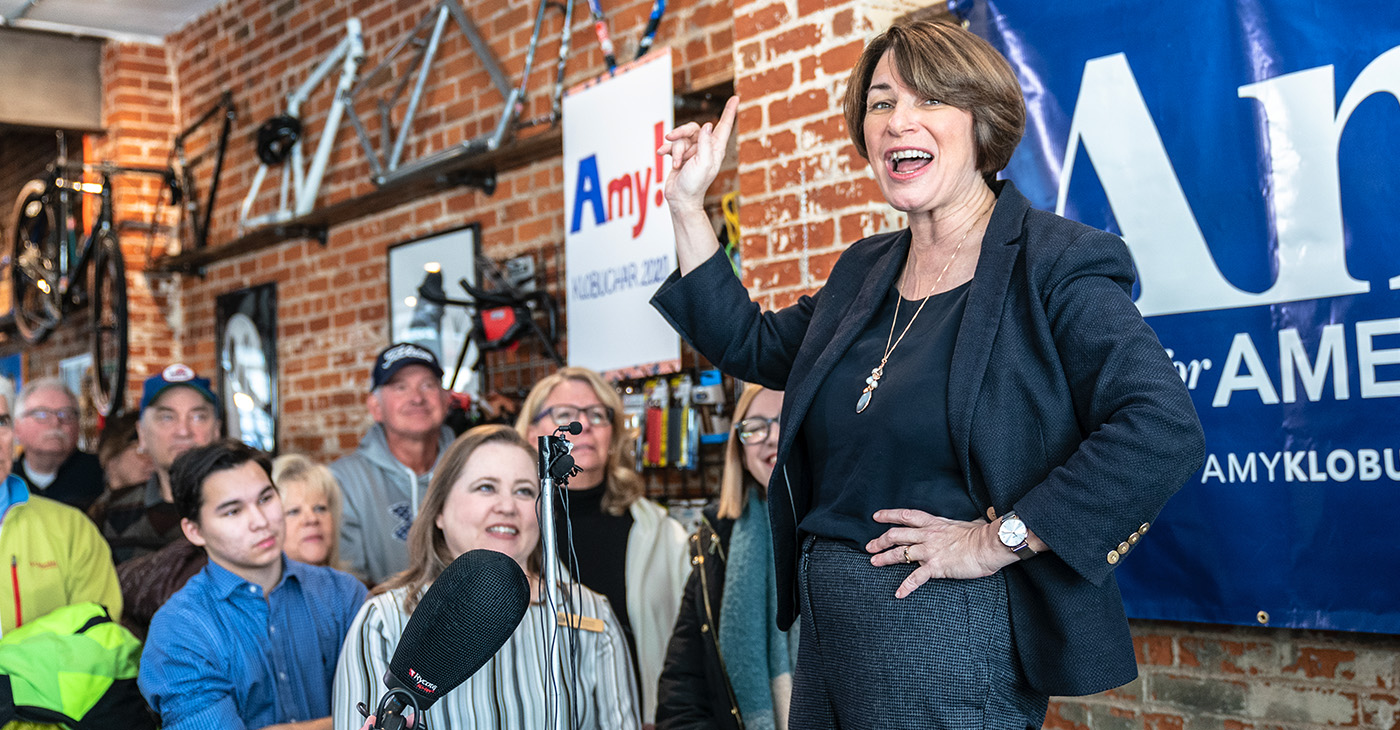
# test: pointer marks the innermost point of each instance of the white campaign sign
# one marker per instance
(619, 244)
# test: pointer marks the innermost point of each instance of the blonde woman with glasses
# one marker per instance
(616, 542)
(728, 665)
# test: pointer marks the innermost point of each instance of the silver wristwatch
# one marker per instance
(1012, 534)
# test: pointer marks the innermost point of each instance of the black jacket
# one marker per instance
(695, 693)
(78, 483)
(1062, 405)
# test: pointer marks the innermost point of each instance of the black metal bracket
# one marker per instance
(483, 180)
(320, 233)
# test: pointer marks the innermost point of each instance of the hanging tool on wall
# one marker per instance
(600, 26)
(658, 9)
(502, 316)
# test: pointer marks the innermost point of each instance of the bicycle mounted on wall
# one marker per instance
(192, 224)
(281, 137)
(54, 274)
(387, 158)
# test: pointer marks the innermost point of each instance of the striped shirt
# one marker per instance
(509, 691)
(222, 655)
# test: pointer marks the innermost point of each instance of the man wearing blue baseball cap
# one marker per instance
(384, 480)
(178, 412)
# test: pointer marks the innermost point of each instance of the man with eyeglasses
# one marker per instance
(46, 426)
(55, 556)
(384, 480)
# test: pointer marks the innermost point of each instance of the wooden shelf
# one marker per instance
(476, 170)
(515, 153)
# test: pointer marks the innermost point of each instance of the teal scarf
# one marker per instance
(757, 656)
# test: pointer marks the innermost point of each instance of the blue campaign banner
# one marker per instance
(1249, 154)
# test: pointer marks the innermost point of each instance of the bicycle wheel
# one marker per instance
(34, 273)
(109, 325)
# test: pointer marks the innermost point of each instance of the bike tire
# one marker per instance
(109, 325)
(34, 264)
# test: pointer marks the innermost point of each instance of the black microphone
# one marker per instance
(574, 428)
(463, 619)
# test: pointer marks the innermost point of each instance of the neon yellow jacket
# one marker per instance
(55, 556)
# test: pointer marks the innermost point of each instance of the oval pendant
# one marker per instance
(863, 402)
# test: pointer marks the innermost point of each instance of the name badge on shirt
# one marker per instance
(587, 623)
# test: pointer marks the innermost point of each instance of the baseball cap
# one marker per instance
(399, 355)
(178, 374)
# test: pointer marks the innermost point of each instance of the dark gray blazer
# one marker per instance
(1062, 404)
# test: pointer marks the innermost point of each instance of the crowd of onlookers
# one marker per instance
(273, 592)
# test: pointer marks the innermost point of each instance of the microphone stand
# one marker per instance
(555, 465)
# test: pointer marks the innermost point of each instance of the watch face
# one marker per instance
(1012, 532)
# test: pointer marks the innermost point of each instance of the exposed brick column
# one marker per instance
(804, 192)
(139, 116)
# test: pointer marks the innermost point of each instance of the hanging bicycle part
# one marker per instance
(501, 317)
(282, 136)
(658, 8)
(388, 157)
(55, 270)
(600, 28)
(192, 226)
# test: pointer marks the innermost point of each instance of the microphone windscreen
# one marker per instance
(464, 618)
(575, 428)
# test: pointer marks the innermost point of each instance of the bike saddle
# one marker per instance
(276, 137)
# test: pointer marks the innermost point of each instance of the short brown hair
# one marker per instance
(946, 62)
(117, 436)
(428, 554)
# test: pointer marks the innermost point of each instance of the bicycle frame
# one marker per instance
(69, 178)
(305, 185)
(386, 161)
(180, 176)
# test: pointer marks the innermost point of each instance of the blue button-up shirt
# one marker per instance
(221, 655)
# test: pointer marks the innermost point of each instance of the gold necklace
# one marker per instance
(873, 382)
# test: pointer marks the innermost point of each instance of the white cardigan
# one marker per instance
(657, 566)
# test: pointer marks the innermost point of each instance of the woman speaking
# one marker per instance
(977, 424)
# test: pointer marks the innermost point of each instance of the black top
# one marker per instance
(599, 547)
(898, 452)
(78, 483)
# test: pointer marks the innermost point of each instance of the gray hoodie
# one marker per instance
(381, 498)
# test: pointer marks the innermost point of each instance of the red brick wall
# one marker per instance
(140, 118)
(1199, 677)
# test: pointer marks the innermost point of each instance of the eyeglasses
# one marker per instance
(47, 416)
(755, 429)
(564, 415)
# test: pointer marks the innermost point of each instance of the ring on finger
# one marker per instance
(906, 554)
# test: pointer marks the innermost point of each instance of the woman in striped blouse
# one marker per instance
(484, 495)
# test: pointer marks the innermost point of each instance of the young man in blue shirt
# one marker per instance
(252, 640)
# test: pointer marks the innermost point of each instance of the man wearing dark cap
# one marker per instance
(385, 479)
(178, 413)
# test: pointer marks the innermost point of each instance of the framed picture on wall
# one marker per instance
(246, 334)
(439, 262)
